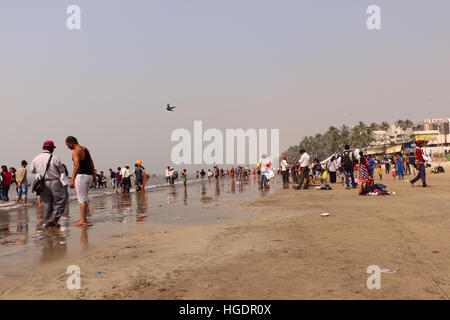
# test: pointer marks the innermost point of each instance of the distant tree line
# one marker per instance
(334, 139)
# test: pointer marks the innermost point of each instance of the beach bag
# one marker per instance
(39, 183)
(381, 192)
(380, 186)
(366, 187)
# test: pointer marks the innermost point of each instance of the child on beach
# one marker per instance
(380, 173)
(184, 177)
(394, 169)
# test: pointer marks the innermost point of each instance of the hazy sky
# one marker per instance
(299, 66)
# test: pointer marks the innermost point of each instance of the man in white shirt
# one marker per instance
(167, 175)
(126, 180)
(264, 166)
(304, 165)
(54, 195)
(285, 170)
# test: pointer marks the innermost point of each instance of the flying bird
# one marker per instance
(169, 108)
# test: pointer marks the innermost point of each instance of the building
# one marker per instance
(389, 141)
(436, 133)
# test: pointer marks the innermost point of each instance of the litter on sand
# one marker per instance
(325, 214)
(118, 235)
(388, 271)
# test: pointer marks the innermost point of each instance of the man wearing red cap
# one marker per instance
(49, 168)
(285, 170)
(420, 165)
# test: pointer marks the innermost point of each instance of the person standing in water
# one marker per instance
(184, 177)
(65, 182)
(118, 182)
(167, 175)
(264, 167)
(22, 183)
(138, 176)
(6, 181)
(126, 179)
(49, 168)
(82, 177)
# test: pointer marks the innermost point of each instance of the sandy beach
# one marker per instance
(288, 252)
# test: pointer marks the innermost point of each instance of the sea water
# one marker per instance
(23, 242)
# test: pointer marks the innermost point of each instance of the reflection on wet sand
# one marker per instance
(141, 206)
(171, 194)
(5, 233)
(22, 227)
(109, 216)
(233, 186)
(53, 243)
(203, 189)
(84, 240)
(217, 189)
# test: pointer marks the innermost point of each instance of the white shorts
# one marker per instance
(82, 184)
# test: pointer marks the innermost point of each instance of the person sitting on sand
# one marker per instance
(314, 180)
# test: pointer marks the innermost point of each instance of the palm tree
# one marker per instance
(384, 126)
(373, 126)
(399, 124)
(407, 124)
(334, 139)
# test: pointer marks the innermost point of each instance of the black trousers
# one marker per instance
(304, 174)
(421, 175)
(333, 177)
(285, 176)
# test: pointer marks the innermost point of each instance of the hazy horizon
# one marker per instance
(297, 66)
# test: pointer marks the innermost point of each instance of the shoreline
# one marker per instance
(289, 252)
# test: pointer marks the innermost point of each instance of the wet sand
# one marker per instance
(23, 243)
(288, 252)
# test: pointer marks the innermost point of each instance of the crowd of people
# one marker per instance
(263, 170)
(52, 181)
(353, 167)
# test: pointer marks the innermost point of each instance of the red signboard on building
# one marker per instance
(442, 120)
